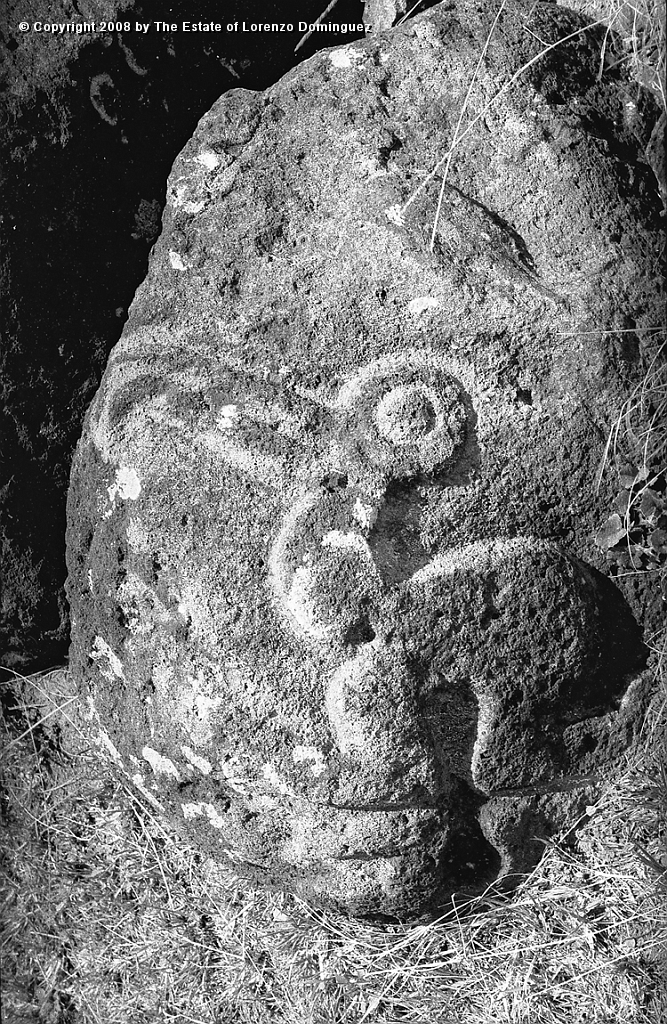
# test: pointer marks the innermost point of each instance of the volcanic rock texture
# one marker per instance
(91, 124)
(336, 604)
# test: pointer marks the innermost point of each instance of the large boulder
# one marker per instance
(337, 605)
(92, 121)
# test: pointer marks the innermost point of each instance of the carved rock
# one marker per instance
(337, 606)
(91, 124)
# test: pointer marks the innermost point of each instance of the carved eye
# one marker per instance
(403, 420)
(406, 414)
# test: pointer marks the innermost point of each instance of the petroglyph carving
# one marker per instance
(394, 420)
(447, 687)
(349, 465)
(397, 421)
(328, 517)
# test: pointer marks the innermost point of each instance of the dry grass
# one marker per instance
(460, 133)
(111, 917)
(634, 38)
(635, 534)
(639, 26)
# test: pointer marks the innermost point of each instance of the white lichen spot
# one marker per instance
(420, 305)
(149, 715)
(161, 765)
(216, 819)
(345, 58)
(271, 775)
(176, 261)
(227, 416)
(90, 580)
(192, 811)
(395, 215)
(102, 650)
(364, 514)
(204, 766)
(515, 126)
(208, 159)
(127, 485)
(141, 606)
(304, 753)
(200, 809)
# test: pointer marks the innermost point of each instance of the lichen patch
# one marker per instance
(100, 651)
(208, 159)
(197, 810)
(176, 260)
(204, 766)
(161, 765)
(345, 58)
(420, 305)
(127, 485)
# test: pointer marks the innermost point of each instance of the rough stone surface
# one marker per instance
(337, 607)
(91, 124)
(382, 14)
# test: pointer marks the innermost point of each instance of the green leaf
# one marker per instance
(622, 501)
(611, 533)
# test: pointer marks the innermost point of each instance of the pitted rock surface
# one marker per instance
(91, 123)
(337, 606)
